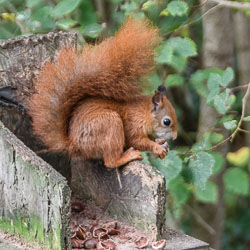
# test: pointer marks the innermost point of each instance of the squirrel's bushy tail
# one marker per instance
(108, 70)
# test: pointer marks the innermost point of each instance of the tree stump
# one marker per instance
(34, 198)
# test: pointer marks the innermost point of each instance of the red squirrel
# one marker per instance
(91, 104)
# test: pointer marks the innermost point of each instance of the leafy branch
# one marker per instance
(232, 4)
(238, 128)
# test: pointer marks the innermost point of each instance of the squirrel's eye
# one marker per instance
(166, 122)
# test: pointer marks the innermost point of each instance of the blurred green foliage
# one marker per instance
(187, 170)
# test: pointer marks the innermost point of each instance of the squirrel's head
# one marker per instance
(165, 126)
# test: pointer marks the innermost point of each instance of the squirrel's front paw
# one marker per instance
(160, 151)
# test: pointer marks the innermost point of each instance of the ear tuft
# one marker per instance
(162, 89)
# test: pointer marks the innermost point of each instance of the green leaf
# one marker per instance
(219, 162)
(178, 62)
(174, 80)
(65, 7)
(184, 47)
(34, 4)
(177, 8)
(92, 30)
(44, 21)
(213, 83)
(230, 124)
(246, 119)
(216, 137)
(201, 166)
(164, 54)
(152, 82)
(165, 12)
(201, 145)
(180, 191)
(208, 195)
(227, 77)
(170, 166)
(236, 180)
(199, 77)
(66, 24)
(223, 101)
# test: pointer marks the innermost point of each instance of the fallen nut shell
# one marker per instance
(75, 243)
(90, 243)
(113, 231)
(80, 233)
(110, 225)
(100, 246)
(142, 242)
(73, 235)
(99, 230)
(159, 244)
(103, 236)
(109, 244)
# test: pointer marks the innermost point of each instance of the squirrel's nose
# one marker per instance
(174, 135)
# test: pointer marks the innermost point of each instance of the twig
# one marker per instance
(194, 21)
(231, 137)
(201, 220)
(232, 4)
(239, 87)
(243, 130)
(244, 102)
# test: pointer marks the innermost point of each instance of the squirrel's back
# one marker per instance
(109, 70)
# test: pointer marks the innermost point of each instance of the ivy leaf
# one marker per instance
(230, 124)
(227, 77)
(223, 101)
(184, 47)
(208, 195)
(213, 83)
(170, 166)
(164, 54)
(65, 7)
(236, 180)
(177, 8)
(201, 166)
(239, 158)
(66, 24)
(174, 80)
(246, 119)
(92, 30)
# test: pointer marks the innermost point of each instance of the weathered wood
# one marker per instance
(175, 240)
(20, 61)
(140, 201)
(34, 198)
(21, 58)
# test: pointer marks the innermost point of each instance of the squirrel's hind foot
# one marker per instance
(126, 157)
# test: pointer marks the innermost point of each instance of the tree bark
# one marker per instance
(217, 52)
(242, 38)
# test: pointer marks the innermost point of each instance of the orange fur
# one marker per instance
(90, 104)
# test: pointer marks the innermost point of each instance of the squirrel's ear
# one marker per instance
(157, 98)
